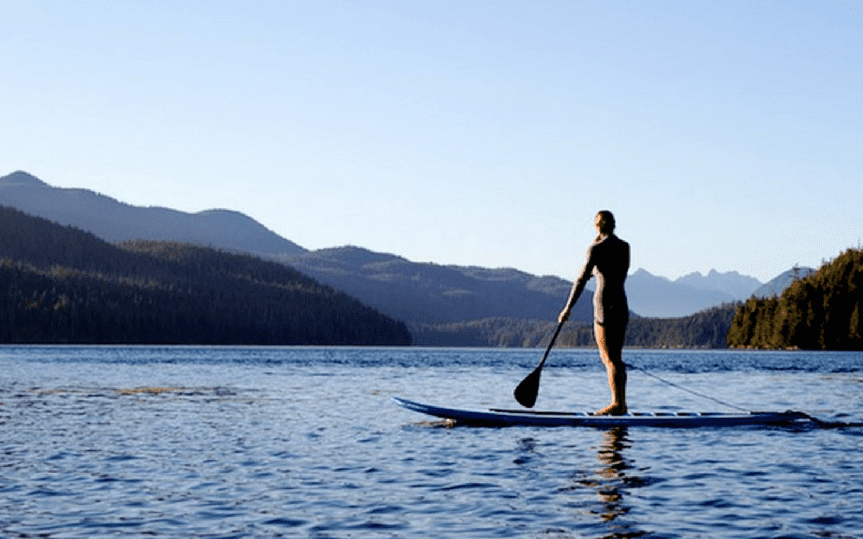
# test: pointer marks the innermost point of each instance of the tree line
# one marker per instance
(818, 312)
(62, 285)
(705, 329)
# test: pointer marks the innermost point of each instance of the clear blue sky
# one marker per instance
(722, 134)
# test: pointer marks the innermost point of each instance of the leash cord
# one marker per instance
(696, 393)
(818, 422)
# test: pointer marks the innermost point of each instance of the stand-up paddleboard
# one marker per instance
(505, 418)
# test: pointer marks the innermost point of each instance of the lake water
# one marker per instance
(305, 442)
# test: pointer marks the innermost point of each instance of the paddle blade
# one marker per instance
(525, 393)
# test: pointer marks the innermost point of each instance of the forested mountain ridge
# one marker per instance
(417, 292)
(63, 285)
(818, 312)
(115, 221)
(426, 293)
(67, 286)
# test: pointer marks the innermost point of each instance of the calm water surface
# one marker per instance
(304, 442)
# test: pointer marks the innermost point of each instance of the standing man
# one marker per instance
(608, 260)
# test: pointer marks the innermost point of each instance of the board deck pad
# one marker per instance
(500, 418)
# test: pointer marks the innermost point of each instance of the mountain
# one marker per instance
(653, 296)
(414, 292)
(777, 285)
(735, 285)
(64, 285)
(116, 221)
(426, 293)
(418, 293)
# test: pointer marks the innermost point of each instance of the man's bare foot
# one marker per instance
(612, 409)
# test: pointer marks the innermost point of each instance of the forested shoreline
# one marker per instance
(705, 329)
(818, 312)
(63, 285)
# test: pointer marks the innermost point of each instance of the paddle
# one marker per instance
(528, 389)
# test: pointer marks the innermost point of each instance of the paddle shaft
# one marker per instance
(528, 389)
(550, 344)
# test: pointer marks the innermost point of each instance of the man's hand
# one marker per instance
(563, 316)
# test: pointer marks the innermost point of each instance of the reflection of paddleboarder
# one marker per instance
(608, 260)
(612, 476)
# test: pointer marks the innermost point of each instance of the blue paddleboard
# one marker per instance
(505, 418)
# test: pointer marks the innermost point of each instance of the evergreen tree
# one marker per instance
(818, 312)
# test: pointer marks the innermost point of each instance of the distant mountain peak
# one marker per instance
(224, 213)
(22, 179)
(641, 272)
(778, 284)
(730, 282)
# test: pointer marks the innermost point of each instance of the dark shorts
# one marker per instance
(612, 316)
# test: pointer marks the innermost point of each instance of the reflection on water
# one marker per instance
(611, 482)
(597, 494)
(526, 451)
(611, 477)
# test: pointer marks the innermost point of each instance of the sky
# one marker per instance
(723, 135)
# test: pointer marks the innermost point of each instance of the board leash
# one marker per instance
(696, 393)
(820, 423)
